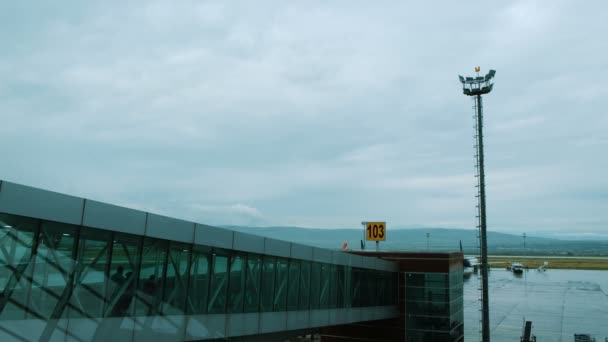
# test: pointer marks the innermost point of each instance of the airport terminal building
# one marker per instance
(73, 269)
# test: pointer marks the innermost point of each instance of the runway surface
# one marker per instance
(559, 303)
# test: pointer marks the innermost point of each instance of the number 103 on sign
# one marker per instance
(375, 231)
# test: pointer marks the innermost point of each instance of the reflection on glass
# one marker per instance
(176, 281)
(236, 286)
(315, 285)
(293, 285)
(124, 264)
(53, 269)
(89, 295)
(17, 240)
(324, 289)
(199, 281)
(219, 284)
(267, 290)
(280, 298)
(151, 276)
(304, 295)
(252, 285)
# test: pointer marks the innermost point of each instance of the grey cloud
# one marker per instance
(311, 113)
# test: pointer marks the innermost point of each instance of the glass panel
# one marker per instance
(219, 283)
(386, 277)
(387, 280)
(427, 294)
(356, 287)
(363, 282)
(363, 299)
(347, 287)
(324, 289)
(53, 269)
(370, 284)
(398, 279)
(293, 288)
(304, 286)
(280, 299)
(315, 283)
(428, 323)
(199, 281)
(333, 290)
(17, 239)
(252, 286)
(438, 280)
(174, 297)
(267, 290)
(236, 286)
(378, 289)
(151, 276)
(340, 287)
(124, 264)
(89, 296)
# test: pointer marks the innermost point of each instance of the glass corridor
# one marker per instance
(51, 270)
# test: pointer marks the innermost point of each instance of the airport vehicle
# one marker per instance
(583, 338)
(517, 268)
(470, 265)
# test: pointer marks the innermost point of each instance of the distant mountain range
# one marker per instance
(440, 239)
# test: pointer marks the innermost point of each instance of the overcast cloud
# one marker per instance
(309, 113)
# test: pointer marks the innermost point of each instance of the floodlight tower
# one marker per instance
(475, 87)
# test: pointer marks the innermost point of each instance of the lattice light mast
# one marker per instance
(475, 87)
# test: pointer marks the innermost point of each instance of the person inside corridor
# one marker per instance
(118, 277)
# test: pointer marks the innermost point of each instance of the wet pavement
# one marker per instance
(559, 303)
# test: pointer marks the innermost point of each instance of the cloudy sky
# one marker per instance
(311, 113)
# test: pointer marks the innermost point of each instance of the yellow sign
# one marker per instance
(375, 231)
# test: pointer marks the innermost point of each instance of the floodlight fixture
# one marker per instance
(479, 85)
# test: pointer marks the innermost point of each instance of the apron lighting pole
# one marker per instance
(475, 87)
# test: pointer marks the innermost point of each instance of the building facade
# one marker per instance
(430, 300)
